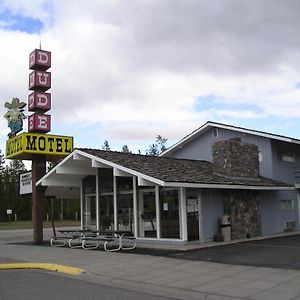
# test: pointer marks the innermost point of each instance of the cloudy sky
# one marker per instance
(127, 71)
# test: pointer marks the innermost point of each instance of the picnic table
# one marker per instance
(111, 240)
(70, 237)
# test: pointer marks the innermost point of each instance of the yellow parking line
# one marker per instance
(44, 266)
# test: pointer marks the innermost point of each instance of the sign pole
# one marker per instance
(38, 171)
(36, 145)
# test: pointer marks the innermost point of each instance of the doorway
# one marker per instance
(147, 214)
(89, 212)
(194, 215)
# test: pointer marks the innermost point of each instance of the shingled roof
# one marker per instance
(173, 170)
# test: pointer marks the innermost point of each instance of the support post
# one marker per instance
(115, 204)
(81, 206)
(38, 171)
(135, 212)
(97, 201)
(157, 206)
(182, 197)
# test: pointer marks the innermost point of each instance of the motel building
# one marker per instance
(212, 179)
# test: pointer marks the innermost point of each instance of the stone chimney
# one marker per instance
(233, 158)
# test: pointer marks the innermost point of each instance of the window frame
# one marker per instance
(287, 205)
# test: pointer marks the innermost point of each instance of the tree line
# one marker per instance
(10, 198)
(154, 149)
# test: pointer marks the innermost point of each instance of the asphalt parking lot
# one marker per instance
(283, 252)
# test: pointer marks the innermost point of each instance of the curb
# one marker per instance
(43, 266)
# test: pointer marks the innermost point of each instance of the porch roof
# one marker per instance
(150, 170)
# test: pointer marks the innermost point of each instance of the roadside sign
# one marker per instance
(25, 183)
(9, 211)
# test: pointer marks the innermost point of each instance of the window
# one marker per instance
(215, 133)
(287, 156)
(260, 156)
(286, 204)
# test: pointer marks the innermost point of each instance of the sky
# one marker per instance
(127, 71)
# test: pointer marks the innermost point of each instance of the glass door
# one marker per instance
(89, 212)
(147, 214)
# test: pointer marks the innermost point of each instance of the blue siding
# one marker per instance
(212, 211)
(284, 171)
(201, 148)
(273, 219)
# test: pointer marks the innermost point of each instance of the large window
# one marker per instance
(287, 204)
(287, 156)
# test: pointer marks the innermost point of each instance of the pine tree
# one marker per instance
(106, 146)
(158, 147)
(125, 149)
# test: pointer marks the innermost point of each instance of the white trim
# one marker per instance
(135, 211)
(114, 165)
(183, 215)
(157, 208)
(75, 170)
(228, 127)
(81, 204)
(200, 217)
(226, 186)
(97, 161)
(97, 202)
(298, 197)
(115, 203)
(141, 211)
(97, 164)
(67, 182)
(120, 173)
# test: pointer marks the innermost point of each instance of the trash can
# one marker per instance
(226, 228)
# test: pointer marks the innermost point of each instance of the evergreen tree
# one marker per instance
(158, 147)
(106, 146)
(11, 185)
(125, 149)
(161, 141)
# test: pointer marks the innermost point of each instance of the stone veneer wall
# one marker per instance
(234, 158)
(244, 210)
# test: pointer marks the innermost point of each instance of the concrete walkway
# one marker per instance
(169, 277)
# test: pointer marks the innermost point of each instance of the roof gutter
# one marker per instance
(229, 186)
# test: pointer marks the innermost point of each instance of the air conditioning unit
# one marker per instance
(290, 226)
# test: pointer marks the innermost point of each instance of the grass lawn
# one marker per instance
(28, 224)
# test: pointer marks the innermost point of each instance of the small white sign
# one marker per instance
(9, 211)
(166, 206)
(25, 183)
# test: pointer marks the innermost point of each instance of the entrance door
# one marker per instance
(192, 210)
(147, 214)
(89, 212)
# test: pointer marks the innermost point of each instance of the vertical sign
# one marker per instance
(39, 101)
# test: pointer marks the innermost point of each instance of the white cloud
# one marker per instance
(137, 68)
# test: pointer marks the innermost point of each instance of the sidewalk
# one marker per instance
(169, 277)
